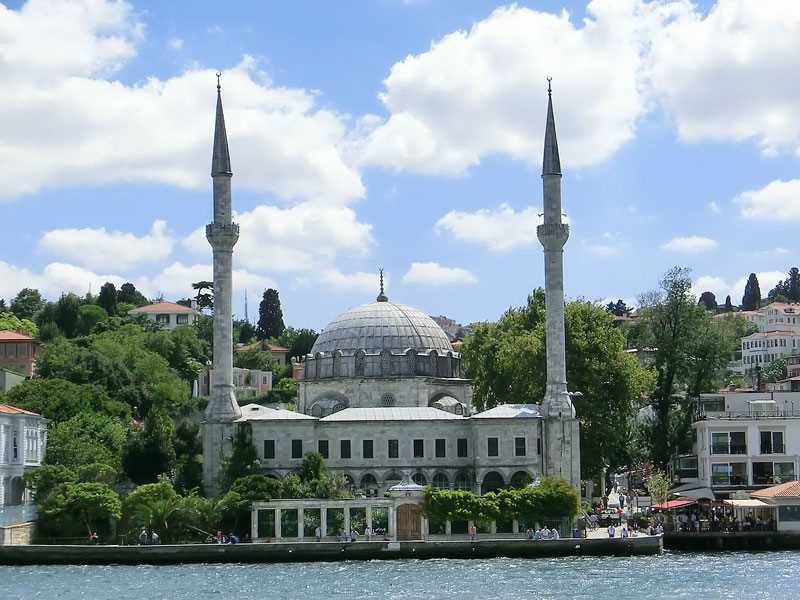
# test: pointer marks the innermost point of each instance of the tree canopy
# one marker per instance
(107, 298)
(789, 288)
(751, 300)
(27, 303)
(708, 300)
(270, 316)
(10, 322)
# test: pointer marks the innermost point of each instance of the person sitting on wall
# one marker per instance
(554, 535)
(545, 533)
(611, 531)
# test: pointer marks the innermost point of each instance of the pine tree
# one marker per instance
(728, 304)
(752, 294)
(270, 316)
(108, 298)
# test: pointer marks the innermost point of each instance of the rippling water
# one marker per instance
(707, 576)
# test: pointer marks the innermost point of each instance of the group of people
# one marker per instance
(220, 538)
(148, 538)
(543, 534)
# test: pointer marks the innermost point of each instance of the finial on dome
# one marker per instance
(382, 297)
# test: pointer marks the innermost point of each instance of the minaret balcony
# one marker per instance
(553, 236)
(222, 235)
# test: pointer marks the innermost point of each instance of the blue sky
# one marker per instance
(403, 134)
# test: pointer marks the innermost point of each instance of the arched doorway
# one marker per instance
(17, 491)
(440, 481)
(409, 522)
(520, 479)
(492, 481)
(369, 484)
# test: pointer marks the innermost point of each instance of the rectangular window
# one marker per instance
(297, 448)
(322, 448)
(772, 442)
(441, 445)
(462, 447)
(728, 442)
(519, 446)
(344, 449)
(269, 449)
(729, 474)
(394, 449)
(789, 513)
(492, 446)
(783, 472)
(366, 449)
(762, 473)
(419, 448)
(182, 319)
(162, 319)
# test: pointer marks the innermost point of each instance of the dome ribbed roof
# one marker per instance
(382, 326)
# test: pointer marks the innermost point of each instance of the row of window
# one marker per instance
(760, 359)
(8, 350)
(735, 442)
(768, 343)
(764, 473)
(393, 448)
(164, 319)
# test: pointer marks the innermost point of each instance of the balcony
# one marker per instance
(774, 449)
(728, 449)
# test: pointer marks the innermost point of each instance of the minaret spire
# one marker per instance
(381, 296)
(551, 163)
(220, 159)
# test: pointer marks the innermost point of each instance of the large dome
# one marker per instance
(382, 326)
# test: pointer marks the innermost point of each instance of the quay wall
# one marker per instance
(325, 551)
(719, 541)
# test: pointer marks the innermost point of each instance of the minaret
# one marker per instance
(561, 443)
(222, 234)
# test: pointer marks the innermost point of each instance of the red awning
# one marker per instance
(677, 503)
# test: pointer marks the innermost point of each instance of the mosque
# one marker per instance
(383, 395)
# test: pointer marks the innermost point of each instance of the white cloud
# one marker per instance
(176, 280)
(731, 75)
(101, 249)
(482, 91)
(499, 230)
(298, 238)
(714, 207)
(778, 201)
(175, 43)
(693, 244)
(721, 287)
(65, 122)
(432, 273)
(609, 246)
(332, 279)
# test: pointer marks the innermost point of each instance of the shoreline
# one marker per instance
(326, 551)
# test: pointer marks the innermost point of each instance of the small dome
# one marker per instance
(380, 326)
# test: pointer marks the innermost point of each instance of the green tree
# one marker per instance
(709, 300)
(188, 451)
(67, 315)
(728, 304)
(93, 504)
(507, 363)
(243, 332)
(97, 473)
(255, 358)
(658, 484)
(775, 371)
(59, 400)
(752, 294)
(128, 294)
(618, 308)
(27, 303)
(787, 290)
(243, 460)
(270, 316)
(85, 439)
(298, 341)
(150, 452)
(90, 315)
(10, 322)
(45, 479)
(205, 294)
(108, 298)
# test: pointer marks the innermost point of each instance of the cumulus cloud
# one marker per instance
(722, 287)
(482, 91)
(778, 201)
(67, 122)
(730, 75)
(499, 230)
(101, 249)
(434, 274)
(610, 245)
(693, 244)
(297, 238)
(176, 280)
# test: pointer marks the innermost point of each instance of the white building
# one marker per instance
(744, 441)
(167, 314)
(23, 439)
(778, 335)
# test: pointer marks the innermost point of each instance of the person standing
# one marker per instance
(611, 531)
(472, 532)
(318, 533)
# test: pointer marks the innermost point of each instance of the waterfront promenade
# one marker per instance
(327, 551)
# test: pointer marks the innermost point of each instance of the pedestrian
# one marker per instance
(624, 531)
(143, 537)
(354, 535)
(156, 539)
(472, 532)
(611, 531)
(368, 533)
(318, 533)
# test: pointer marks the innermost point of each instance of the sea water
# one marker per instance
(669, 576)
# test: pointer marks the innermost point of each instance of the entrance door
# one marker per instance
(409, 522)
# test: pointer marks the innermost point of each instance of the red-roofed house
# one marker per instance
(278, 352)
(167, 314)
(18, 352)
(786, 497)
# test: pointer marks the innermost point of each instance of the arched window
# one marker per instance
(359, 364)
(419, 478)
(316, 410)
(337, 363)
(388, 400)
(520, 479)
(368, 482)
(440, 481)
(317, 361)
(463, 481)
(411, 359)
(433, 357)
(386, 362)
(492, 481)
(392, 478)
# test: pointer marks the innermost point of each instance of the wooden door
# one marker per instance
(409, 522)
